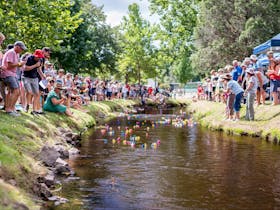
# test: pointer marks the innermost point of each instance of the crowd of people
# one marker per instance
(31, 81)
(247, 82)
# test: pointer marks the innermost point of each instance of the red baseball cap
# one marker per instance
(38, 54)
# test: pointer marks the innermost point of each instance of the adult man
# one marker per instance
(31, 83)
(2, 86)
(236, 72)
(261, 79)
(11, 62)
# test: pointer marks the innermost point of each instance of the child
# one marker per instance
(250, 93)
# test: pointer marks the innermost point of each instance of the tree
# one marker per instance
(92, 47)
(228, 30)
(175, 35)
(184, 71)
(38, 23)
(137, 58)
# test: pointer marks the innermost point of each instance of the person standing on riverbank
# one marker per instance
(33, 70)
(274, 77)
(11, 63)
(250, 93)
(2, 86)
(232, 86)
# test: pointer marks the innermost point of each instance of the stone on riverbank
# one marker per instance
(49, 179)
(49, 155)
(64, 153)
(61, 166)
(41, 190)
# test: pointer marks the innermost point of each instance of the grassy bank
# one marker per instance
(266, 124)
(22, 138)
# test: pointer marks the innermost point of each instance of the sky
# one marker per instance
(116, 9)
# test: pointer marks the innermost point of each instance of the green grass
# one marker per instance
(211, 115)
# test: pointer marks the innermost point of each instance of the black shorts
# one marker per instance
(109, 94)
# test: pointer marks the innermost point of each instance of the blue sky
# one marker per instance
(116, 9)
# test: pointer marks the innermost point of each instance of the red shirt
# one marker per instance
(274, 75)
(150, 90)
(200, 89)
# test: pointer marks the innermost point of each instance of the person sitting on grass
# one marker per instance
(55, 101)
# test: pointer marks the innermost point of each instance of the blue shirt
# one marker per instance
(236, 72)
(234, 87)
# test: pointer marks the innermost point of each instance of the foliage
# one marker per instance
(228, 30)
(137, 58)
(177, 20)
(38, 23)
(91, 49)
(184, 71)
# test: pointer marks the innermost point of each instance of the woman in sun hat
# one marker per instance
(233, 87)
(54, 101)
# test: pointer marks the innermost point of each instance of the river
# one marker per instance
(191, 168)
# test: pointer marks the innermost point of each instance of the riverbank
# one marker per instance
(26, 176)
(265, 126)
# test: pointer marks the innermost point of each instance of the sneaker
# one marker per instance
(14, 114)
(34, 113)
(40, 113)
(27, 108)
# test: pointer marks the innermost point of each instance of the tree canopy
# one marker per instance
(91, 48)
(137, 57)
(38, 23)
(228, 30)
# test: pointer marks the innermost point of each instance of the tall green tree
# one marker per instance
(137, 58)
(228, 30)
(38, 23)
(175, 35)
(92, 47)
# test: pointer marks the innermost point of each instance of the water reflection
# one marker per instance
(192, 169)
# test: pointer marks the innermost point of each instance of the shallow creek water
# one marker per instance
(192, 168)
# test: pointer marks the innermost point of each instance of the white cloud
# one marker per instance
(115, 10)
(114, 18)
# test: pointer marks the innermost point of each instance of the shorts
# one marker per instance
(11, 82)
(264, 87)
(109, 94)
(230, 102)
(31, 85)
(214, 89)
(237, 102)
(274, 84)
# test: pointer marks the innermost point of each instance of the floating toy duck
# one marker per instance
(144, 145)
(154, 145)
